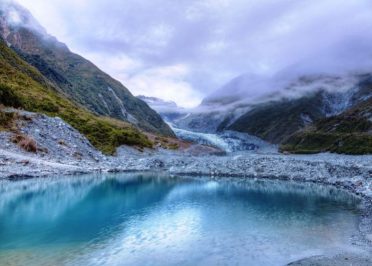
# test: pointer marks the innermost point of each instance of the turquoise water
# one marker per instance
(135, 219)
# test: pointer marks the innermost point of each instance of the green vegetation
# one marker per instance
(338, 143)
(282, 122)
(344, 124)
(347, 133)
(22, 86)
(83, 82)
(276, 121)
(315, 142)
(8, 97)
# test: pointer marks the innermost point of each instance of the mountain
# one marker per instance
(273, 121)
(246, 88)
(219, 109)
(275, 108)
(276, 120)
(270, 98)
(225, 142)
(73, 75)
(23, 86)
(349, 132)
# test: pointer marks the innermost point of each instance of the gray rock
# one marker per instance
(338, 260)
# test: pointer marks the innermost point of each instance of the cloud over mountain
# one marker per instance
(183, 50)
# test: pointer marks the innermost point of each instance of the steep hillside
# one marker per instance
(266, 100)
(276, 120)
(73, 75)
(23, 86)
(293, 104)
(349, 132)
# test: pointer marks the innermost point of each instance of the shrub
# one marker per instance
(8, 97)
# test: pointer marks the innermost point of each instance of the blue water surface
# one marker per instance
(153, 219)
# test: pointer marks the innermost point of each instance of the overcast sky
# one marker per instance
(182, 50)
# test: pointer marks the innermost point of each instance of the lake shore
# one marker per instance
(65, 152)
(350, 173)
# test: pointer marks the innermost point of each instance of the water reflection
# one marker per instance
(153, 220)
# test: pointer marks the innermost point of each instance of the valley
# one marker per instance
(281, 162)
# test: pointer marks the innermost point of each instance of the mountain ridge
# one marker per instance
(73, 75)
(23, 86)
(275, 116)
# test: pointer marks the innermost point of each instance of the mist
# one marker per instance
(18, 16)
(186, 50)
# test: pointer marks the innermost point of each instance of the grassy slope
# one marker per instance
(349, 133)
(21, 85)
(83, 81)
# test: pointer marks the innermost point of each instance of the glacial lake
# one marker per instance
(143, 219)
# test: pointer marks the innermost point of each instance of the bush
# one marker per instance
(8, 97)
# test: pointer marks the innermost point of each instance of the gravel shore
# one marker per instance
(336, 260)
(63, 151)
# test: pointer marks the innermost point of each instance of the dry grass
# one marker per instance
(25, 142)
(168, 142)
(8, 120)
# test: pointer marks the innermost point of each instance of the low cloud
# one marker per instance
(146, 43)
